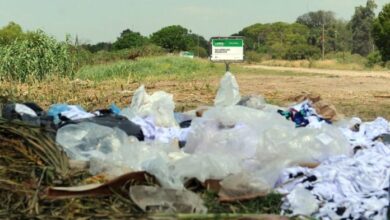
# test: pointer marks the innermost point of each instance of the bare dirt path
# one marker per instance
(354, 73)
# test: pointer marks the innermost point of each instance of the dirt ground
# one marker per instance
(354, 93)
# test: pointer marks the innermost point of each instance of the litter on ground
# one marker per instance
(326, 167)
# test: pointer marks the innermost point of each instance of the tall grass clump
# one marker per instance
(162, 66)
(35, 57)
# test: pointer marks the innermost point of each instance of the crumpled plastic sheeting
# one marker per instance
(228, 93)
(256, 102)
(89, 140)
(264, 142)
(159, 106)
(150, 198)
(346, 187)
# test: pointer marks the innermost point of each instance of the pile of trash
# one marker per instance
(326, 169)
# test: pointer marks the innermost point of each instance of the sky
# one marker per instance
(103, 20)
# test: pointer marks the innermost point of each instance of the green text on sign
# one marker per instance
(228, 42)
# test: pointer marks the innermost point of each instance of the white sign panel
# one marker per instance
(227, 49)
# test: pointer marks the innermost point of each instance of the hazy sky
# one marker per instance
(98, 20)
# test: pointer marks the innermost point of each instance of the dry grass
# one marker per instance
(321, 64)
(30, 161)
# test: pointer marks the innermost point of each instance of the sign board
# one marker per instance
(187, 54)
(227, 49)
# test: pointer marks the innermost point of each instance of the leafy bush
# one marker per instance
(199, 51)
(387, 65)
(374, 58)
(302, 51)
(104, 56)
(37, 56)
(253, 56)
(346, 57)
(81, 56)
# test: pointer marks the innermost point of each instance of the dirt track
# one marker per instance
(354, 93)
(354, 73)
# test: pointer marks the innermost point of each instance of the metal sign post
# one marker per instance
(227, 66)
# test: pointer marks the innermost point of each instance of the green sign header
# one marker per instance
(227, 42)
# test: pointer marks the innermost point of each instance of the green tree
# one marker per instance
(279, 40)
(11, 32)
(98, 47)
(381, 32)
(198, 44)
(173, 38)
(129, 39)
(361, 25)
(336, 33)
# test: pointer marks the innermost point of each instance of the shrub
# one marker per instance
(37, 56)
(199, 51)
(104, 56)
(374, 58)
(253, 56)
(387, 65)
(302, 51)
(346, 57)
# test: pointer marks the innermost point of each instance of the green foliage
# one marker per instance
(253, 56)
(173, 38)
(129, 39)
(104, 56)
(199, 52)
(275, 39)
(81, 56)
(346, 57)
(361, 25)
(196, 40)
(381, 32)
(315, 20)
(336, 32)
(37, 56)
(10, 33)
(169, 66)
(373, 58)
(98, 47)
(302, 51)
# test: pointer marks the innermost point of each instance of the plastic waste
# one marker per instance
(159, 106)
(72, 112)
(228, 92)
(89, 140)
(150, 198)
(113, 121)
(241, 186)
(23, 109)
(263, 142)
(115, 109)
(256, 102)
(300, 196)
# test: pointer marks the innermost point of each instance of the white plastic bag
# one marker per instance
(228, 92)
(159, 106)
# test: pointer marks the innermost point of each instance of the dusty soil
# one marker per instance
(354, 73)
(354, 93)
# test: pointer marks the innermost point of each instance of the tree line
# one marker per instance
(310, 37)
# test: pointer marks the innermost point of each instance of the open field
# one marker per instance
(194, 82)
